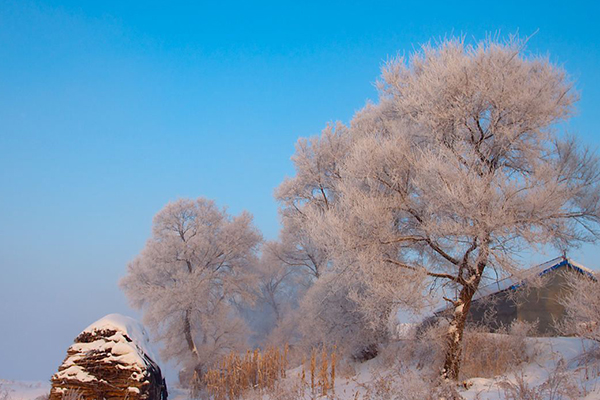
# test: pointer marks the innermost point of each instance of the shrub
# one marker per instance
(558, 386)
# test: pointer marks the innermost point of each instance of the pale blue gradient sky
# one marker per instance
(110, 109)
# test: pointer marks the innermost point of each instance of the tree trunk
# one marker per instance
(187, 330)
(454, 335)
(187, 325)
(456, 329)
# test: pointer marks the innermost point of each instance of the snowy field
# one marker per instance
(560, 368)
(23, 390)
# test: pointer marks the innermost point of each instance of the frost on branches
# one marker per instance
(195, 266)
(329, 313)
(582, 306)
(457, 169)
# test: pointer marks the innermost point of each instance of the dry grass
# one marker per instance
(486, 355)
(238, 373)
(407, 384)
(261, 371)
(72, 395)
(558, 386)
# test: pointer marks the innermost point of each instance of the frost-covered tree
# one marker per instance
(278, 288)
(280, 283)
(332, 315)
(312, 190)
(457, 170)
(197, 263)
(582, 306)
(329, 312)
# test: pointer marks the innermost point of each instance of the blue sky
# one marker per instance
(108, 110)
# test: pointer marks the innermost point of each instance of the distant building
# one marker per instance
(512, 299)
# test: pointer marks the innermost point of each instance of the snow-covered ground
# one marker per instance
(558, 364)
(23, 390)
(558, 370)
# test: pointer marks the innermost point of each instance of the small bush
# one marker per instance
(407, 384)
(558, 386)
(425, 350)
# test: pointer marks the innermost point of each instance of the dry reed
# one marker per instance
(253, 370)
(261, 371)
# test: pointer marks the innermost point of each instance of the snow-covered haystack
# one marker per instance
(110, 359)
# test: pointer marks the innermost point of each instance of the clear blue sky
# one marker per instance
(110, 109)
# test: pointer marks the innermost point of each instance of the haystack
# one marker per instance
(110, 359)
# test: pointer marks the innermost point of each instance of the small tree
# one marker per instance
(582, 306)
(458, 169)
(196, 264)
(332, 315)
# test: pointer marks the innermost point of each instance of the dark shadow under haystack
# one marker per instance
(111, 359)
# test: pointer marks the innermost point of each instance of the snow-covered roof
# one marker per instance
(513, 282)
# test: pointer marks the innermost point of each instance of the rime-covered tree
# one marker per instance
(197, 263)
(332, 315)
(278, 288)
(329, 313)
(582, 306)
(457, 170)
(311, 191)
(276, 280)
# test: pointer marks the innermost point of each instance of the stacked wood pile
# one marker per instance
(107, 361)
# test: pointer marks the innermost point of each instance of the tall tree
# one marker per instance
(312, 190)
(196, 264)
(457, 170)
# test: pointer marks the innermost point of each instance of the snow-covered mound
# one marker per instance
(140, 340)
(111, 358)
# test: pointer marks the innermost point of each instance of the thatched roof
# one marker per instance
(111, 358)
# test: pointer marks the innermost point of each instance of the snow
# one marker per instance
(126, 348)
(551, 357)
(127, 326)
(24, 390)
(75, 372)
(459, 309)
